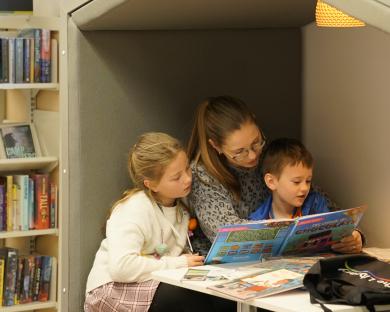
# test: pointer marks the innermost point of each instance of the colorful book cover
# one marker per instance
(274, 276)
(248, 242)
(300, 236)
(53, 205)
(19, 280)
(317, 233)
(45, 55)
(23, 183)
(24, 295)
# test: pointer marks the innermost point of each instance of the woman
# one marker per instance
(225, 150)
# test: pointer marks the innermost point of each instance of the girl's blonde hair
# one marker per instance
(148, 160)
(216, 118)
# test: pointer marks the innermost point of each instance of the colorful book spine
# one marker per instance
(10, 254)
(37, 278)
(2, 270)
(42, 216)
(4, 60)
(45, 55)
(53, 205)
(3, 208)
(19, 280)
(44, 288)
(9, 202)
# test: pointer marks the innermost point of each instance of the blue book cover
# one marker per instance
(248, 241)
(307, 235)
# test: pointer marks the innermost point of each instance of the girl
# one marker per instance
(146, 231)
(225, 150)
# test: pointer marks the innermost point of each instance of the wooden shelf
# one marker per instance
(30, 306)
(12, 234)
(11, 86)
(23, 164)
(29, 21)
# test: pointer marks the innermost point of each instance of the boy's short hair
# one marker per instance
(282, 152)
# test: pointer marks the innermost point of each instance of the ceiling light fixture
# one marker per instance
(328, 16)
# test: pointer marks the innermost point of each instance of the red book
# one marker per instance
(42, 195)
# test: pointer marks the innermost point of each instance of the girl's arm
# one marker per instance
(127, 235)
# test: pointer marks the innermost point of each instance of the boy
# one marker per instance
(288, 170)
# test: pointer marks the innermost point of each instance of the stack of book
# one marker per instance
(28, 56)
(27, 202)
(24, 279)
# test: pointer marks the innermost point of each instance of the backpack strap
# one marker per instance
(324, 308)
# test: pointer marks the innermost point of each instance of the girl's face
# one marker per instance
(175, 182)
(243, 146)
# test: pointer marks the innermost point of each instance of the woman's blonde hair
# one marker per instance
(216, 118)
(148, 160)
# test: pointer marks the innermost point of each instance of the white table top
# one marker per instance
(290, 301)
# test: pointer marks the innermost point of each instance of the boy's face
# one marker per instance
(293, 185)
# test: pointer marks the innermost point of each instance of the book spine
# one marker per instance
(11, 60)
(54, 60)
(42, 217)
(53, 205)
(37, 278)
(37, 55)
(31, 203)
(3, 209)
(10, 278)
(19, 280)
(44, 288)
(45, 55)
(2, 277)
(9, 202)
(19, 60)
(4, 59)
(32, 58)
(31, 263)
(26, 60)
(16, 207)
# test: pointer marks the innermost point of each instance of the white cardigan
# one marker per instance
(133, 231)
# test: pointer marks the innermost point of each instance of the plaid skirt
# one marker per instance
(121, 297)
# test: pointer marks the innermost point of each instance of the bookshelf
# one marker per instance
(37, 103)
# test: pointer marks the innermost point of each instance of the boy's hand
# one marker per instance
(350, 244)
(194, 259)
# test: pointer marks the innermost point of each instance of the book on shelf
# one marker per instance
(2, 270)
(18, 140)
(42, 201)
(272, 277)
(28, 55)
(10, 255)
(305, 235)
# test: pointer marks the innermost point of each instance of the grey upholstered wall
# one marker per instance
(124, 83)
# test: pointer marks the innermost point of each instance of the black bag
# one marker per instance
(352, 279)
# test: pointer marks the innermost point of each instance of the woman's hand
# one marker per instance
(194, 259)
(350, 244)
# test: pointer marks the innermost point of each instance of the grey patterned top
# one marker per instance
(214, 206)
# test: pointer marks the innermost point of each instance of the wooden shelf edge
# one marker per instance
(39, 86)
(12, 234)
(20, 164)
(30, 21)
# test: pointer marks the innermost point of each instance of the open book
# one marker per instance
(272, 277)
(305, 235)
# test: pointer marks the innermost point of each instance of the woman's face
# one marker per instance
(243, 147)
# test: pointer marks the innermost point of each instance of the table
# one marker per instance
(290, 301)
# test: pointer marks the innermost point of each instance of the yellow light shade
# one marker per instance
(328, 16)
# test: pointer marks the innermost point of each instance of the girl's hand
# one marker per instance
(350, 244)
(194, 259)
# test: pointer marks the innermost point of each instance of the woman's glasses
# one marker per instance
(256, 147)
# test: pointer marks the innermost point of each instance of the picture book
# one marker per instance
(272, 277)
(305, 235)
(195, 275)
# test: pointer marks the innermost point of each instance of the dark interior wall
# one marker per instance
(123, 83)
